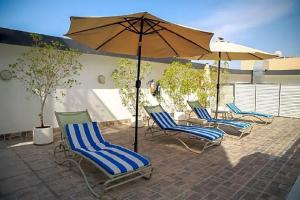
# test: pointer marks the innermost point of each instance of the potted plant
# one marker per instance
(179, 81)
(43, 68)
(124, 77)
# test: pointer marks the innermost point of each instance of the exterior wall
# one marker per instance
(275, 64)
(284, 63)
(18, 109)
(247, 64)
(241, 78)
(283, 79)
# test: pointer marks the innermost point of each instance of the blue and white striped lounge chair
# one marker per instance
(243, 127)
(211, 136)
(265, 118)
(83, 139)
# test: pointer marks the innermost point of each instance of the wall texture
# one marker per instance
(274, 64)
(18, 109)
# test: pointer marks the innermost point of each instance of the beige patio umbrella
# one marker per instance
(224, 50)
(139, 34)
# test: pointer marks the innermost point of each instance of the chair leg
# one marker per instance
(187, 147)
(206, 145)
(59, 149)
(143, 173)
(149, 175)
(89, 186)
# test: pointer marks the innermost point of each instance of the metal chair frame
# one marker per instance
(75, 158)
(153, 128)
(243, 131)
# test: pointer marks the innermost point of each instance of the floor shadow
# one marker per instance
(262, 166)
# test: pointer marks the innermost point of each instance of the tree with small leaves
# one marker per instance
(178, 81)
(46, 66)
(124, 77)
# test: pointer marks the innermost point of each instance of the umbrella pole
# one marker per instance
(218, 85)
(138, 85)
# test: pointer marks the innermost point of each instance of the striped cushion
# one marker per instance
(164, 121)
(234, 108)
(257, 114)
(237, 124)
(87, 140)
(203, 114)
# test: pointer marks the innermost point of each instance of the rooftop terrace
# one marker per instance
(262, 165)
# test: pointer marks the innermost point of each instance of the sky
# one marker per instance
(268, 25)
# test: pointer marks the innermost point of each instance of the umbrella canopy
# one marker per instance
(231, 51)
(223, 50)
(120, 34)
(139, 34)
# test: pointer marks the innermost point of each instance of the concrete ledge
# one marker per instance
(28, 133)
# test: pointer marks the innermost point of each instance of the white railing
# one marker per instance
(275, 99)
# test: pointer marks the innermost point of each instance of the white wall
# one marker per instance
(18, 109)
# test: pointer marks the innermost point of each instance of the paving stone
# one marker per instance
(262, 165)
(13, 184)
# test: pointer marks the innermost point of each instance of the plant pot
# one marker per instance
(140, 122)
(180, 116)
(42, 135)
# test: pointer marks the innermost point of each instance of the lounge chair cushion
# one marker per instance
(165, 122)
(87, 140)
(257, 114)
(203, 114)
(236, 110)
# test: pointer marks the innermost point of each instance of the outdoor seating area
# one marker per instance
(263, 165)
(140, 101)
(202, 113)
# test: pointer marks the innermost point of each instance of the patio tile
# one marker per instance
(262, 165)
(13, 184)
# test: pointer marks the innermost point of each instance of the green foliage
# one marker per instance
(181, 80)
(178, 81)
(208, 83)
(207, 87)
(46, 66)
(124, 77)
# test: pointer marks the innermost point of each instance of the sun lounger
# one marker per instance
(265, 118)
(202, 113)
(211, 136)
(82, 139)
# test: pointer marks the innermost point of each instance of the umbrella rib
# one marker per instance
(128, 29)
(154, 20)
(89, 29)
(108, 40)
(146, 32)
(151, 32)
(256, 56)
(228, 56)
(181, 36)
(132, 25)
(200, 57)
(169, 45)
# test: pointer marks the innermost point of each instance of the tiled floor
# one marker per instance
(262, 165)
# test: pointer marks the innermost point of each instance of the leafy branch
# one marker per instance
(46, 66)
(124, 77)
